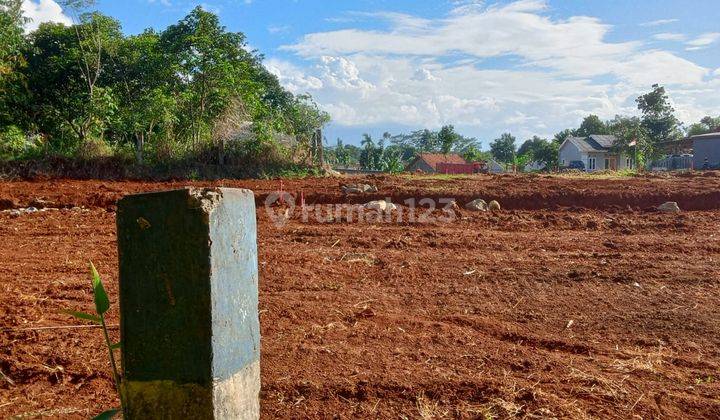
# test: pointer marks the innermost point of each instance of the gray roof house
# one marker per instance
(595, 152)
(706, 151)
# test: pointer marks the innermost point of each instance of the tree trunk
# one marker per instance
(139, 144)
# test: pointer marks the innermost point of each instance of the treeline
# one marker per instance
(192, 93)
(391, 153)
(657, 124)
(642, 135)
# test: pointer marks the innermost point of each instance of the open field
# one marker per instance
(576, 300)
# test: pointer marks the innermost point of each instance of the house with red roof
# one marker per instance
(428, 162)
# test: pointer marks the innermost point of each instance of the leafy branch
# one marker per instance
(102, 305)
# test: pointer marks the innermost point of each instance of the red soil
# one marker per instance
(574, 301)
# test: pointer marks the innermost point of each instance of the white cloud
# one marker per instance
(278, 29)
(491, 68)
(659, 22)
(669, 36)
(703, 41)
(43, 11)
(292, 77)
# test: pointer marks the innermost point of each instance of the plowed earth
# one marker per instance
(577, 300)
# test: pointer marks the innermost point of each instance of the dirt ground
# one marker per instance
(577, 300)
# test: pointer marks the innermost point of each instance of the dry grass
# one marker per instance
(429, 409)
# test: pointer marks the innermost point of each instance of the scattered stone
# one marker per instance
(358, 189)
(31, 210)
(477, 205)
(41, 204)
(494, 206)
(669, 207)
(15, 213)
(332, 173)
(380, 205)
(636, 284)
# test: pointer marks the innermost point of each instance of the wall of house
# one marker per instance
(706, 148)
(494, 167)
(623, 162)
(421, 165)
(599, 161)
(568, 152)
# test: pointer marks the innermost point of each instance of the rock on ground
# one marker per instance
(669, 207)
(477, 205)
(380, 205)
(358, 188)
(493, 206)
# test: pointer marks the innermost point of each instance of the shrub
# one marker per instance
(12, 143)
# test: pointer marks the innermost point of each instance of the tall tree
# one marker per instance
(12, 61)
(706, 125)
(560, 137)
(530, 146)
(503, 148)
(68, 91)
(592, 124)
(658, 115)
(447, 138)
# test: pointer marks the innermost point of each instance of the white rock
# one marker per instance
(669, 207)
(477, 205)
(381, 205)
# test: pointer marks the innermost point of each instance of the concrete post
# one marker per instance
(188, 302)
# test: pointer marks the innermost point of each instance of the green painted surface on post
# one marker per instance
(164, 289)
(189, 304)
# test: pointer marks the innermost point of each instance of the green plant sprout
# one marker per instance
(102, 304)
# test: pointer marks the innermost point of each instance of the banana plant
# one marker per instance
(102, 305)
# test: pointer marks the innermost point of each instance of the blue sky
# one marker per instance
(528, 67)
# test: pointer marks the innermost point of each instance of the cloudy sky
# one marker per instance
(531, 67)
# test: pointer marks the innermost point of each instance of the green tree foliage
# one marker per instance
(706, 125)
(175, 94)
(560, 137)
(12, 143)
(11, 34)
(13, 43)
(503, 148)
(592, 124)
(658, 116)
(472, 153)
(447, 138)
(546, 153)
(541, 151)
(529, 146)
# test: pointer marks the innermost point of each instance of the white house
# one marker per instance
(594, 152)
(494, 167)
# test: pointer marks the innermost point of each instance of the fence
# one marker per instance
(673, 163)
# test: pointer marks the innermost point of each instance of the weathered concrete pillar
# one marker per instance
(188, 302)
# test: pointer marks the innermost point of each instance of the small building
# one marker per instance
(706, 150)
(428, 162)
(595, 152)
(494, 167)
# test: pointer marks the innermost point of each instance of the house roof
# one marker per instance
(432, 159)
(604, 140)
(580, 143)
(707, 136)
(593, 142)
